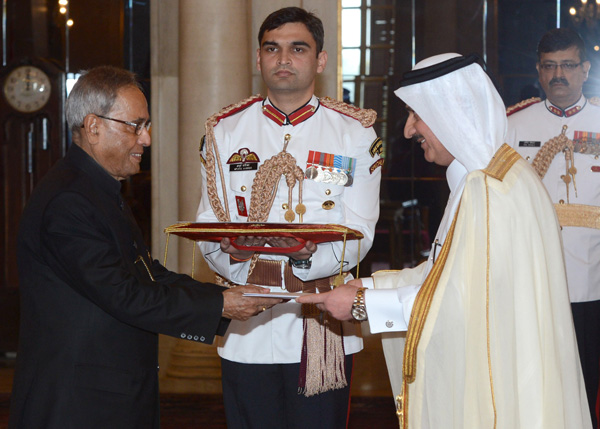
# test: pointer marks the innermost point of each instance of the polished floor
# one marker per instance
(183, 411)
(371, 406)
(187, 411)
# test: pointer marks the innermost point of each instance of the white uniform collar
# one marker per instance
(296, 117)
(569, 111)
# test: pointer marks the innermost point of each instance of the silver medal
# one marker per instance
(320, 175)
(350, 180)
(311, 173)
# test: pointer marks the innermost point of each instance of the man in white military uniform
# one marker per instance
(332, 155)
(562, 134)
(490, 341)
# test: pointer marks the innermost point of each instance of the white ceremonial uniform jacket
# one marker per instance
(275, 336)
(528, 130)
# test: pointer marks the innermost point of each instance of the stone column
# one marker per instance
(210, 64)
(213, 73)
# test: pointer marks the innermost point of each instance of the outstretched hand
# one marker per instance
(338, 302)
(239, 307)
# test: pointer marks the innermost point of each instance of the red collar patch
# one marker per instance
(566, 113)
(293, 119)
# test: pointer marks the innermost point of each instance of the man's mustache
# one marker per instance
(417, 138)
(560, 80)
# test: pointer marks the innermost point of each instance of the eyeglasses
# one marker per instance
(138, 125)
(565, 67)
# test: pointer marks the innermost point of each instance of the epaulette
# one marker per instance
(522, 105)
(594, 100)
(366, 117)
(232, 109)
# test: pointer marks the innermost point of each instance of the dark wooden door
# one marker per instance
(30, 143)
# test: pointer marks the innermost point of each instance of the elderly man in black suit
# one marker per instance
(92, 298)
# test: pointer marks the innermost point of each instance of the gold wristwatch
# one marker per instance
(359, 309)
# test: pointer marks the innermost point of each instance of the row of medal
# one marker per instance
(334, 176)
(330, 168)
(587, 142)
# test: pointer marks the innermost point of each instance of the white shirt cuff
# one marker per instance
(368, 282)
(389, 309)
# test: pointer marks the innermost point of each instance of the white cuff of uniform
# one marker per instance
(389, 309)
(238, 272)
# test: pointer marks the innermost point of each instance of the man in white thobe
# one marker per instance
(490, 340)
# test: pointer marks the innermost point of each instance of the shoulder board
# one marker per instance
(232, 109)
(366, 117)
(522, 105)
(594, 100)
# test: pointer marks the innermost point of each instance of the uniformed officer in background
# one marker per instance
(561, 137)
(289, 157)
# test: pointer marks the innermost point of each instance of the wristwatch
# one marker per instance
(301, 263)
(359, 309)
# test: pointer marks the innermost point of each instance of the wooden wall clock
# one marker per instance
(32, 139)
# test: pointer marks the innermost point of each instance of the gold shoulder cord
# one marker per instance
(213, 160)
(264, 187)
(594, 100)
(546, 154)
(366, 117)
(521, 105)
(580, 215)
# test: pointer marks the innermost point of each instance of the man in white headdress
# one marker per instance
(490, 340)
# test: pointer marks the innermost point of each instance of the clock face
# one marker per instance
(27, 89)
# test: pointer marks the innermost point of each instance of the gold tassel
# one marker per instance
(323, 353)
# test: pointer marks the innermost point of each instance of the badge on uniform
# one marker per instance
(376, 165)
(529, 143)
(376, 147)
(243, 160)
(240, 202)
(329, 168)
(586, 142)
